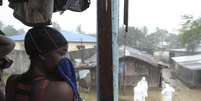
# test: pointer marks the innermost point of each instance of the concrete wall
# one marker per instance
(73, 46)
(21, 62)
(19, 45)
(87, 53)
(21, 59)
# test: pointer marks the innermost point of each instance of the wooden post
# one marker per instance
(1, 2)
(126, 4)
(104, 57)
(115, 32)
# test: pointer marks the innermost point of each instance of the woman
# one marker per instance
(46, 47)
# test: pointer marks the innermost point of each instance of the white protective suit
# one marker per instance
(137, 92)
(144, 85)
(167, 92)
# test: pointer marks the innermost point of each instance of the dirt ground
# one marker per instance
(182, 92)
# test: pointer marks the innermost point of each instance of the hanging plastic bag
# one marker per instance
(33, 12)
(73, 5)
(79, 5)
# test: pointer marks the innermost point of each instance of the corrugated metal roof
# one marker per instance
(77, 37)
(190, 62)
(70, 36)
(130, 52)
(83, 73)
(198, 49)
(187, 58)
(138, 55)
(19, 37)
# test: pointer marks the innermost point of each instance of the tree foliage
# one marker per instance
(10, 30)
(139, 38)
(190, 33)
(1, 25)
(156, 38)
(134, 38)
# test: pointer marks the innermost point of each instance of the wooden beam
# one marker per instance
(104, 57)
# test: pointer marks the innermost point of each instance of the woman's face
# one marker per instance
(52, 59)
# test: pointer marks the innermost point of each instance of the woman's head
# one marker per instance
(45, 45)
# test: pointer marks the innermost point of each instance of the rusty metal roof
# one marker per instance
(192, 62)
(130, 52)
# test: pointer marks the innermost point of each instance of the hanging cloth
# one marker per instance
(33, 12)
(39, 12)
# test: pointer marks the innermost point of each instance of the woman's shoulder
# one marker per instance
(59, 91)
(51, 90)
(60, 86)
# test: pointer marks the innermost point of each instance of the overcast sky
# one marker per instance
(165, 14)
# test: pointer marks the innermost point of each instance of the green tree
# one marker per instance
(190, 33)
(144, 30)
(1, 25)
(173, 41)
(134, 37)
(139, 38)
(10, 30)
(20, 31)
(154, 39)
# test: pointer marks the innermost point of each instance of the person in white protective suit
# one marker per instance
(163, 84)
(167, 92)
(137, 92)
(144, 85)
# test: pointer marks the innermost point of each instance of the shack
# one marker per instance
(188, 70)
(137, 64)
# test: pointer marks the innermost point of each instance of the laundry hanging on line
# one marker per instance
(39, 12)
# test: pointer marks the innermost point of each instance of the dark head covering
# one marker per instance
(41, 40)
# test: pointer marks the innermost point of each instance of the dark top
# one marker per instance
(37, 88)
(2, 96)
